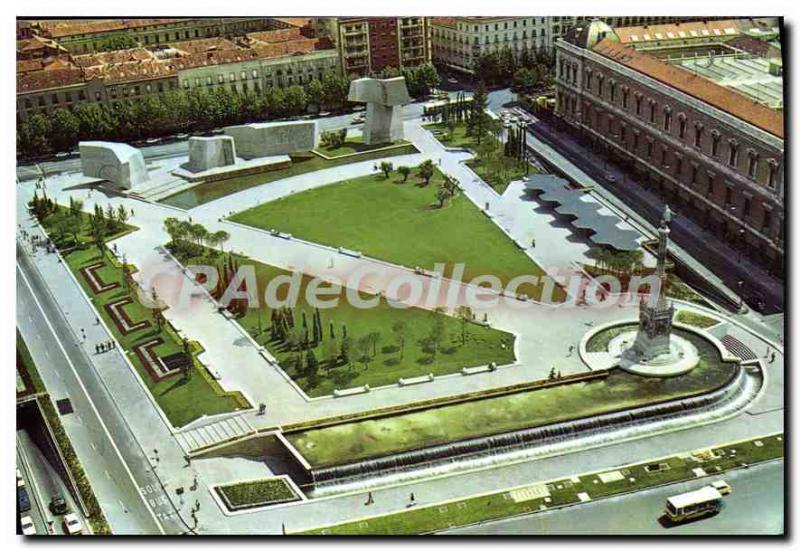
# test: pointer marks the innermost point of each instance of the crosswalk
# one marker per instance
(214, 433)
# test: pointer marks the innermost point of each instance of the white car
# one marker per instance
(72, 525)
(722, 487)
(28, 529)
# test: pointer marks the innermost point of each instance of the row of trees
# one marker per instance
(195, 110)
(174, 111)
(190, 238)
(526, 70)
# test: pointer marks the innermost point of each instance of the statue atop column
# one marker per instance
(656, 311)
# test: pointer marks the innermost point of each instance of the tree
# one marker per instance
(344, 350)
(363, 346)
(315, 93)
(122, 215)
(64, 129)
(386, 167)
(404, 171)
(479, 119)
(295, 100)
(399, 330)
(441, 196)
(312, 366)
(436, 334)
(32, 135)
(220, 238)
(465, 314)
(426, 171)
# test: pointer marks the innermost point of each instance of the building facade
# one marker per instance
(714, 153)
(457, 41)
(81, 36)
(367, 45)
(249, 63)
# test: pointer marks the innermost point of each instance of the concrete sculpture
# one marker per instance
(384, 99)
(213, 152)
(118, 163)
(273, 138)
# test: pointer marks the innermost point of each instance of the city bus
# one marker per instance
(697, 503)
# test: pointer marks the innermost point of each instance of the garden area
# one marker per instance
(551, 494)
(301, 164)
(695, 320)
(256, 493)
(345, 346)
(140, 330)
(404, 220)
(491, 163)
(336, 143)
(620, 390)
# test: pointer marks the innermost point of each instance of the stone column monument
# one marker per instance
(655, 313)
(384, 99)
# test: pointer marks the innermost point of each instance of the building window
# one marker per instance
(714, 143)
(667, 119)
(733, 152)
(746, 208)
(728, 196)
(652, 111)
(766, 223)
(772, 174)
(625, 94)
(698, 134)
(752, 163)
(638, 105)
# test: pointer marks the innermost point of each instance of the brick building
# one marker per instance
(713, 148)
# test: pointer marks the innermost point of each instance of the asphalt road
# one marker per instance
(43, 483)
(119, 485)
(755, 507)
(725, 261)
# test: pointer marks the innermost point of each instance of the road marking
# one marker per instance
(86, 393)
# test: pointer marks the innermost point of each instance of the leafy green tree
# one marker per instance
(32, 135)
(399, 330)
(315, 92)
(64, 130)
(386, 167)
(426, 171)
(404, 171)
(295, 100)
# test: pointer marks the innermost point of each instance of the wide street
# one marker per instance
(755, 507)
(134, 457)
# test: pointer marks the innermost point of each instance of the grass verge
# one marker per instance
(256, 493)
(563, 492)
(301, 164)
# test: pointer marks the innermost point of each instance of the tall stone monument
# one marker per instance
(118, 163)
(655, 313)
(206, 153)
(266, 139)
(385, 99)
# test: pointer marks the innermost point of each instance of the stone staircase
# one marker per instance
(213, 433)
(738, 348)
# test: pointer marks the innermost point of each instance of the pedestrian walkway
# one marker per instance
(209, 434)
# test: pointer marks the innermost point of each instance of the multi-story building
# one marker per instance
(80, 36)
(691, 123)
(248, 63)
(457, 41)
(370, 44)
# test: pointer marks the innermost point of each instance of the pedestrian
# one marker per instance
(772, 358)
(101, 347)
(188, 460)
(97, 349)
(197, 503)
(370, 500)
(571, 349)
(412, 497)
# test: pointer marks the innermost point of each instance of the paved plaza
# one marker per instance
(547, 337)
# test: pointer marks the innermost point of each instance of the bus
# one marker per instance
(697, 503)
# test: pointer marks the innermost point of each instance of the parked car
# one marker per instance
(72, 525)
(58, 505)
(23, 499)
(28, 529)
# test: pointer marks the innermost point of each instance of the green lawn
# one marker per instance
(400, 222)
(301, 164)
(504, 504)
(354, 441)
(257, 493)
(695, 319)
(182, 400)
(356, 145)
(387, 360)
(497, 172)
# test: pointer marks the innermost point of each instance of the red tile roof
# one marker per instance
(730, 101)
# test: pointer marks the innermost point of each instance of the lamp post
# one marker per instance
(740, 285)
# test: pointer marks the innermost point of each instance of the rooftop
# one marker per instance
(136, 64)
(700, 87)
(61, 28)
(688, 30)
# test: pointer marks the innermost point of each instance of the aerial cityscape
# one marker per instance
(392, 276)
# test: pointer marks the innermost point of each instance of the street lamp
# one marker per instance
(740, 284)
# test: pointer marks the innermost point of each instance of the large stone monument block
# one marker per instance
(273, 138)
(384, 99)
(213, 152)
(119, 163)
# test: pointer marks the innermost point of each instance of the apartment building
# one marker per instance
(370, 44)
